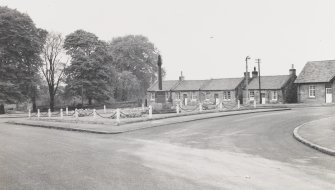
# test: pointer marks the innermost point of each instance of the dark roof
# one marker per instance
(317, 71)
(222, 84)
(187, 85)
(269, 82)
(166, 85)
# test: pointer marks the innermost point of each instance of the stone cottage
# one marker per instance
(274, 89)
(316, 82)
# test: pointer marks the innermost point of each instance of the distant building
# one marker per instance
(316, 82)
(274, 89)
(193, 92)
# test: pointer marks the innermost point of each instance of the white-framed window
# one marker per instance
(152, 95)
(311, 91)
(274, 95)
(252, 95)
(167, 95)
(226, 95)
(194, 96)
(178, 95)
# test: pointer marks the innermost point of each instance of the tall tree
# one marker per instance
(91, 72)
(136, 54)
(20, 46)
(53, 66)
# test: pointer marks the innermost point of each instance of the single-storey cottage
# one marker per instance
(316, 82)
(274, 89)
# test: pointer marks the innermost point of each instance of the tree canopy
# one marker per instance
(136, 54)
(20, 46)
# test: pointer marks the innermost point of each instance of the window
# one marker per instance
(312, 91)
(178, 95)
(226, 95)
(208, 94)
(194, 96)
(152, 96)
(274, 95)
(252, 95)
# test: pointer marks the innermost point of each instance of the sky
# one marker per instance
(204, 39)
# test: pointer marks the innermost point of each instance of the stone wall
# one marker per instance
(320, 93)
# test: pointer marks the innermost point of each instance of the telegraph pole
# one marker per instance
(246, 79)
(258, 61)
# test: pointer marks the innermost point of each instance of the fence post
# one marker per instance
(61, 113)
(76, 113)
(200, 107)
(238, 104)
(177, 108)
(49, 112)
(118, 115)
(38, 113)
(104, 108)
(95, 113)
(150, 112)
(142, 106)
(29, 113)
(67, 111)
(254, 104)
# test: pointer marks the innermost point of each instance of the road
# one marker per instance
(254, 151)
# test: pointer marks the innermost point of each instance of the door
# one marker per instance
(329, 95)
(263, 98)
(185, 99)
(216, 99)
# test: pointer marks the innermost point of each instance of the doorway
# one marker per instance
(185, 99)
(329, 95)
(263, 97)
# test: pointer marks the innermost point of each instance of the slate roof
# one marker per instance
(191, 85)
(317, 71)
(222, 84)
(269, 82)
(167, 85)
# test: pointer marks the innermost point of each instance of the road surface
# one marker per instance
(254, 151)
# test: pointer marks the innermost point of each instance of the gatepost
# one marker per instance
(118, 115)
(67, 111)
(238, 104)
(150, 112)
(61, 113)
(38, 113)
(200, 107)
(104, 108)
(49, 112)
(254, 103)
(177, 108)
(29, 114)
(95, 113)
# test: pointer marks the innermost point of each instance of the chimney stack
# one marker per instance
(254, 73)
(181, 78)
(247, 75)
(293, 71)
(159, 63)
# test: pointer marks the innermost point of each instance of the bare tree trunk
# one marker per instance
(33, 100)
(89, 101)
(2, 109)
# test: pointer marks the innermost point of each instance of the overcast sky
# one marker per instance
(204, 39)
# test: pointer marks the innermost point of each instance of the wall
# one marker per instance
(268, 96)
(320, 93)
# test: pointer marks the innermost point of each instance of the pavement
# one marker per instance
(318, 134)
(110, 126)
(250, 151)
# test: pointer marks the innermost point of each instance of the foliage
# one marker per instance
(137, 55)
(91, 71)
(127, 86)
(20, 45)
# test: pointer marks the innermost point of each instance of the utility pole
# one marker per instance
(258, 61)
(246, 79)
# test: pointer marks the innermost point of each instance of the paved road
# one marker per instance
(255, 151)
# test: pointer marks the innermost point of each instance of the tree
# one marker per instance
(53, 67)
(127, 86)
(91, 72)
(20, 46)
(136, 54)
